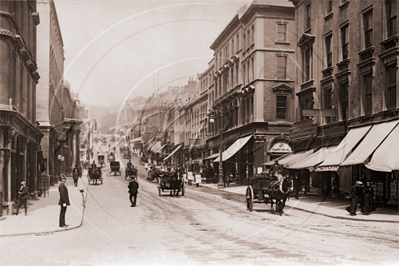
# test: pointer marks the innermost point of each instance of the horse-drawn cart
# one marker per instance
(130, 173)
(94, 175)
(170, 181)
(268, 190)
(115, 168)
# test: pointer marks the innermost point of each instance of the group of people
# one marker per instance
(361, 195)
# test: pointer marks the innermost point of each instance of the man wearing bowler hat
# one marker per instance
(64, 200)
(133, 189)
(23, 197)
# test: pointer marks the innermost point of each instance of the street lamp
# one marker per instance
(220, 181)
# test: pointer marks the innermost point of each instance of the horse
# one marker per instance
(279, 192)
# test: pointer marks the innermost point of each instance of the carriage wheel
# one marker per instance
(159, 191)
(88, 180)
(250, 198)
(182, 191)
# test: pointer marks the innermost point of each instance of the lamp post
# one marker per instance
(220, 181)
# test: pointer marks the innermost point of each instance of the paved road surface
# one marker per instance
(205, 227)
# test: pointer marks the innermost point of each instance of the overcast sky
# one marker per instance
(117, 48)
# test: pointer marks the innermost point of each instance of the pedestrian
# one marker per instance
(64, 200)
(368, 196)
(226, 179)
(22, 198)
(297, 185)
(355, 194)
(133, 190)
(76, 175)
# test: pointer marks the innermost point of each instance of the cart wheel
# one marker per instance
(250, 198)
(88, 180)
(182, 191)
(159, 191)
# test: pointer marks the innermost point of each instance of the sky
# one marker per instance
(119, 49)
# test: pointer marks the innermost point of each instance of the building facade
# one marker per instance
(19, 133)
(57, 121)
(347, 53)
(253, 92)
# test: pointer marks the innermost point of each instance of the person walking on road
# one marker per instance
(64, 200)
(22, 198)
(133, 190)
(355, 195)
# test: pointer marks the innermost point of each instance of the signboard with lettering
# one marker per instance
(281, 147)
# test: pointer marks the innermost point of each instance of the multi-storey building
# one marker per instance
(346, 81)
(19, 133)
(52, 101)
(253, 96)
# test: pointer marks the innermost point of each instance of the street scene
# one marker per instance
(245, 132)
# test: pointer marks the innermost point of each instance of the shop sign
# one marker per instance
(281, 147)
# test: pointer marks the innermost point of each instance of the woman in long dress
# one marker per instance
(368, 196)
(355, 195)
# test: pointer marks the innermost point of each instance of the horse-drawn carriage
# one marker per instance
(130, 173)
(111, 157)
(269, 190)
(153, 174)
(101, 160)
(115, 168)
(171, 181)
(94, 175)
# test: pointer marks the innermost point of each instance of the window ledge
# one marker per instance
(281, 42)
(329, 16)
(344, 5)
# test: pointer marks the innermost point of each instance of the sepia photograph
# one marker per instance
(199, 132)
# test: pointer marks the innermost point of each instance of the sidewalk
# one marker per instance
(331, 207)
(43, 214)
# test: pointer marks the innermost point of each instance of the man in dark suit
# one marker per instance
(133, 190)
(23, 197)
(64, 200)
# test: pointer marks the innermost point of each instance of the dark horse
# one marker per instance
(279, 193)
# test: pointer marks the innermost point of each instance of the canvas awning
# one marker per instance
(386, 156)
(136, 140)
(213, 156)
(372, 140)
(156, 146)
(314, 159)
(173, 152)
(332, 162)
(270, 163)
(160, 149)
(291, 159)
(233, 149)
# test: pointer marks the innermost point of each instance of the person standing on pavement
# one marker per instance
(133, 190)
(368, 195)
(76, 175)
(355, 194)
(23, 197)
(64, 200)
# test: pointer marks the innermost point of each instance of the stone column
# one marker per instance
(34, 166)
(11, 135)
(24, 163)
